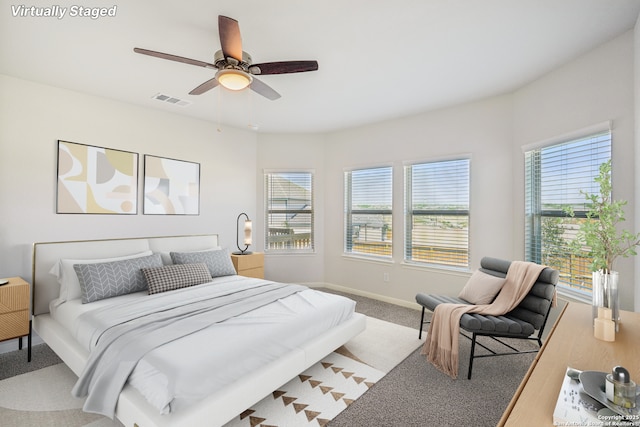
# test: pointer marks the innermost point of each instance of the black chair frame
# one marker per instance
(540, 297)
(494, 337)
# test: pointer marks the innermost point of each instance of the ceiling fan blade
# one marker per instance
(208, 85)
(283, 67)
(173, 57)
(264, 89)
(230, 38)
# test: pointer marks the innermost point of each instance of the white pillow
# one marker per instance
(68, 279)
(481, 288)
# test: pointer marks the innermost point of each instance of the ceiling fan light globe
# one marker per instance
(234, 79)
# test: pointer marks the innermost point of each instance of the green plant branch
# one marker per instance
(600, 232)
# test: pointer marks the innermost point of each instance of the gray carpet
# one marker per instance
(382, 310)
(414, 393)
(15, 362)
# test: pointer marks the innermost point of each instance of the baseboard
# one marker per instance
(383, 298)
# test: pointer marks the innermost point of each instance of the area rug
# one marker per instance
(43, 397)
(314, 397)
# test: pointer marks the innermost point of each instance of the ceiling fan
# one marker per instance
(235, 67)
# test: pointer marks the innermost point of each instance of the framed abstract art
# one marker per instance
(96, 180)
(171, 187)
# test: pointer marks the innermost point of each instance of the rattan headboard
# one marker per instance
(47, 254)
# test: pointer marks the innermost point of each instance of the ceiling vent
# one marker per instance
(171, 100)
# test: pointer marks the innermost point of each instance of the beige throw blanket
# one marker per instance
(441, 345)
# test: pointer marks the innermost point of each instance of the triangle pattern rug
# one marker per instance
(313, 398)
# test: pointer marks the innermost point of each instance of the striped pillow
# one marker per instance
(218, 261)
(172, 277)
(111, 279)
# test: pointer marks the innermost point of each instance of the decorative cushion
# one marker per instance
(481, 288)
(171, 277)
(218, 261)
(110, 279)
(166, 255)
(68, 280)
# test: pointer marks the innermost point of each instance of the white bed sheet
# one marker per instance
(218, 355)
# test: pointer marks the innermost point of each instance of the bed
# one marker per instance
(243, 380)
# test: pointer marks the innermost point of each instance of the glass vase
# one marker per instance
(605, 295)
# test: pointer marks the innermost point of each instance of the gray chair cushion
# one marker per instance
(477, 323)
(522, 321)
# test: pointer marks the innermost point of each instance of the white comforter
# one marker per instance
(216, 356)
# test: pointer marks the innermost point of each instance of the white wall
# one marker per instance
(481, 129)
(636, 73)
(294, 152)
(594, 88)
(591, 89)
(33, 117)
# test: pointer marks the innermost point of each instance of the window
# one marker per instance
(554, 178)
(437, 213)
(368, 204)
(289, 212)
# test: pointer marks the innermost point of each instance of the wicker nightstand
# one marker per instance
(14, 312)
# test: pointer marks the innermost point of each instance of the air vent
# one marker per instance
(171, 100)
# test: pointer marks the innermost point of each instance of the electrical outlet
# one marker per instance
(385, 277)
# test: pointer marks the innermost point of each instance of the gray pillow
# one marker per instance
(111, 279)
(171, 277)
(218, 261)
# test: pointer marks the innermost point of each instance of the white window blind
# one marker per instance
(368, 211)
(437, 213)
(289, 212)
(554, 179)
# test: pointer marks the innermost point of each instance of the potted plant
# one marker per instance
(604, 242)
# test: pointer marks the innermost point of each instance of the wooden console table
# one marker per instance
(571, 343)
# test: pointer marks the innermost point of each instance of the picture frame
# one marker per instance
(96, 180)
(171, 186)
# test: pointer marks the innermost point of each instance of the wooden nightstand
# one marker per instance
(14, 312)
(251, 265)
